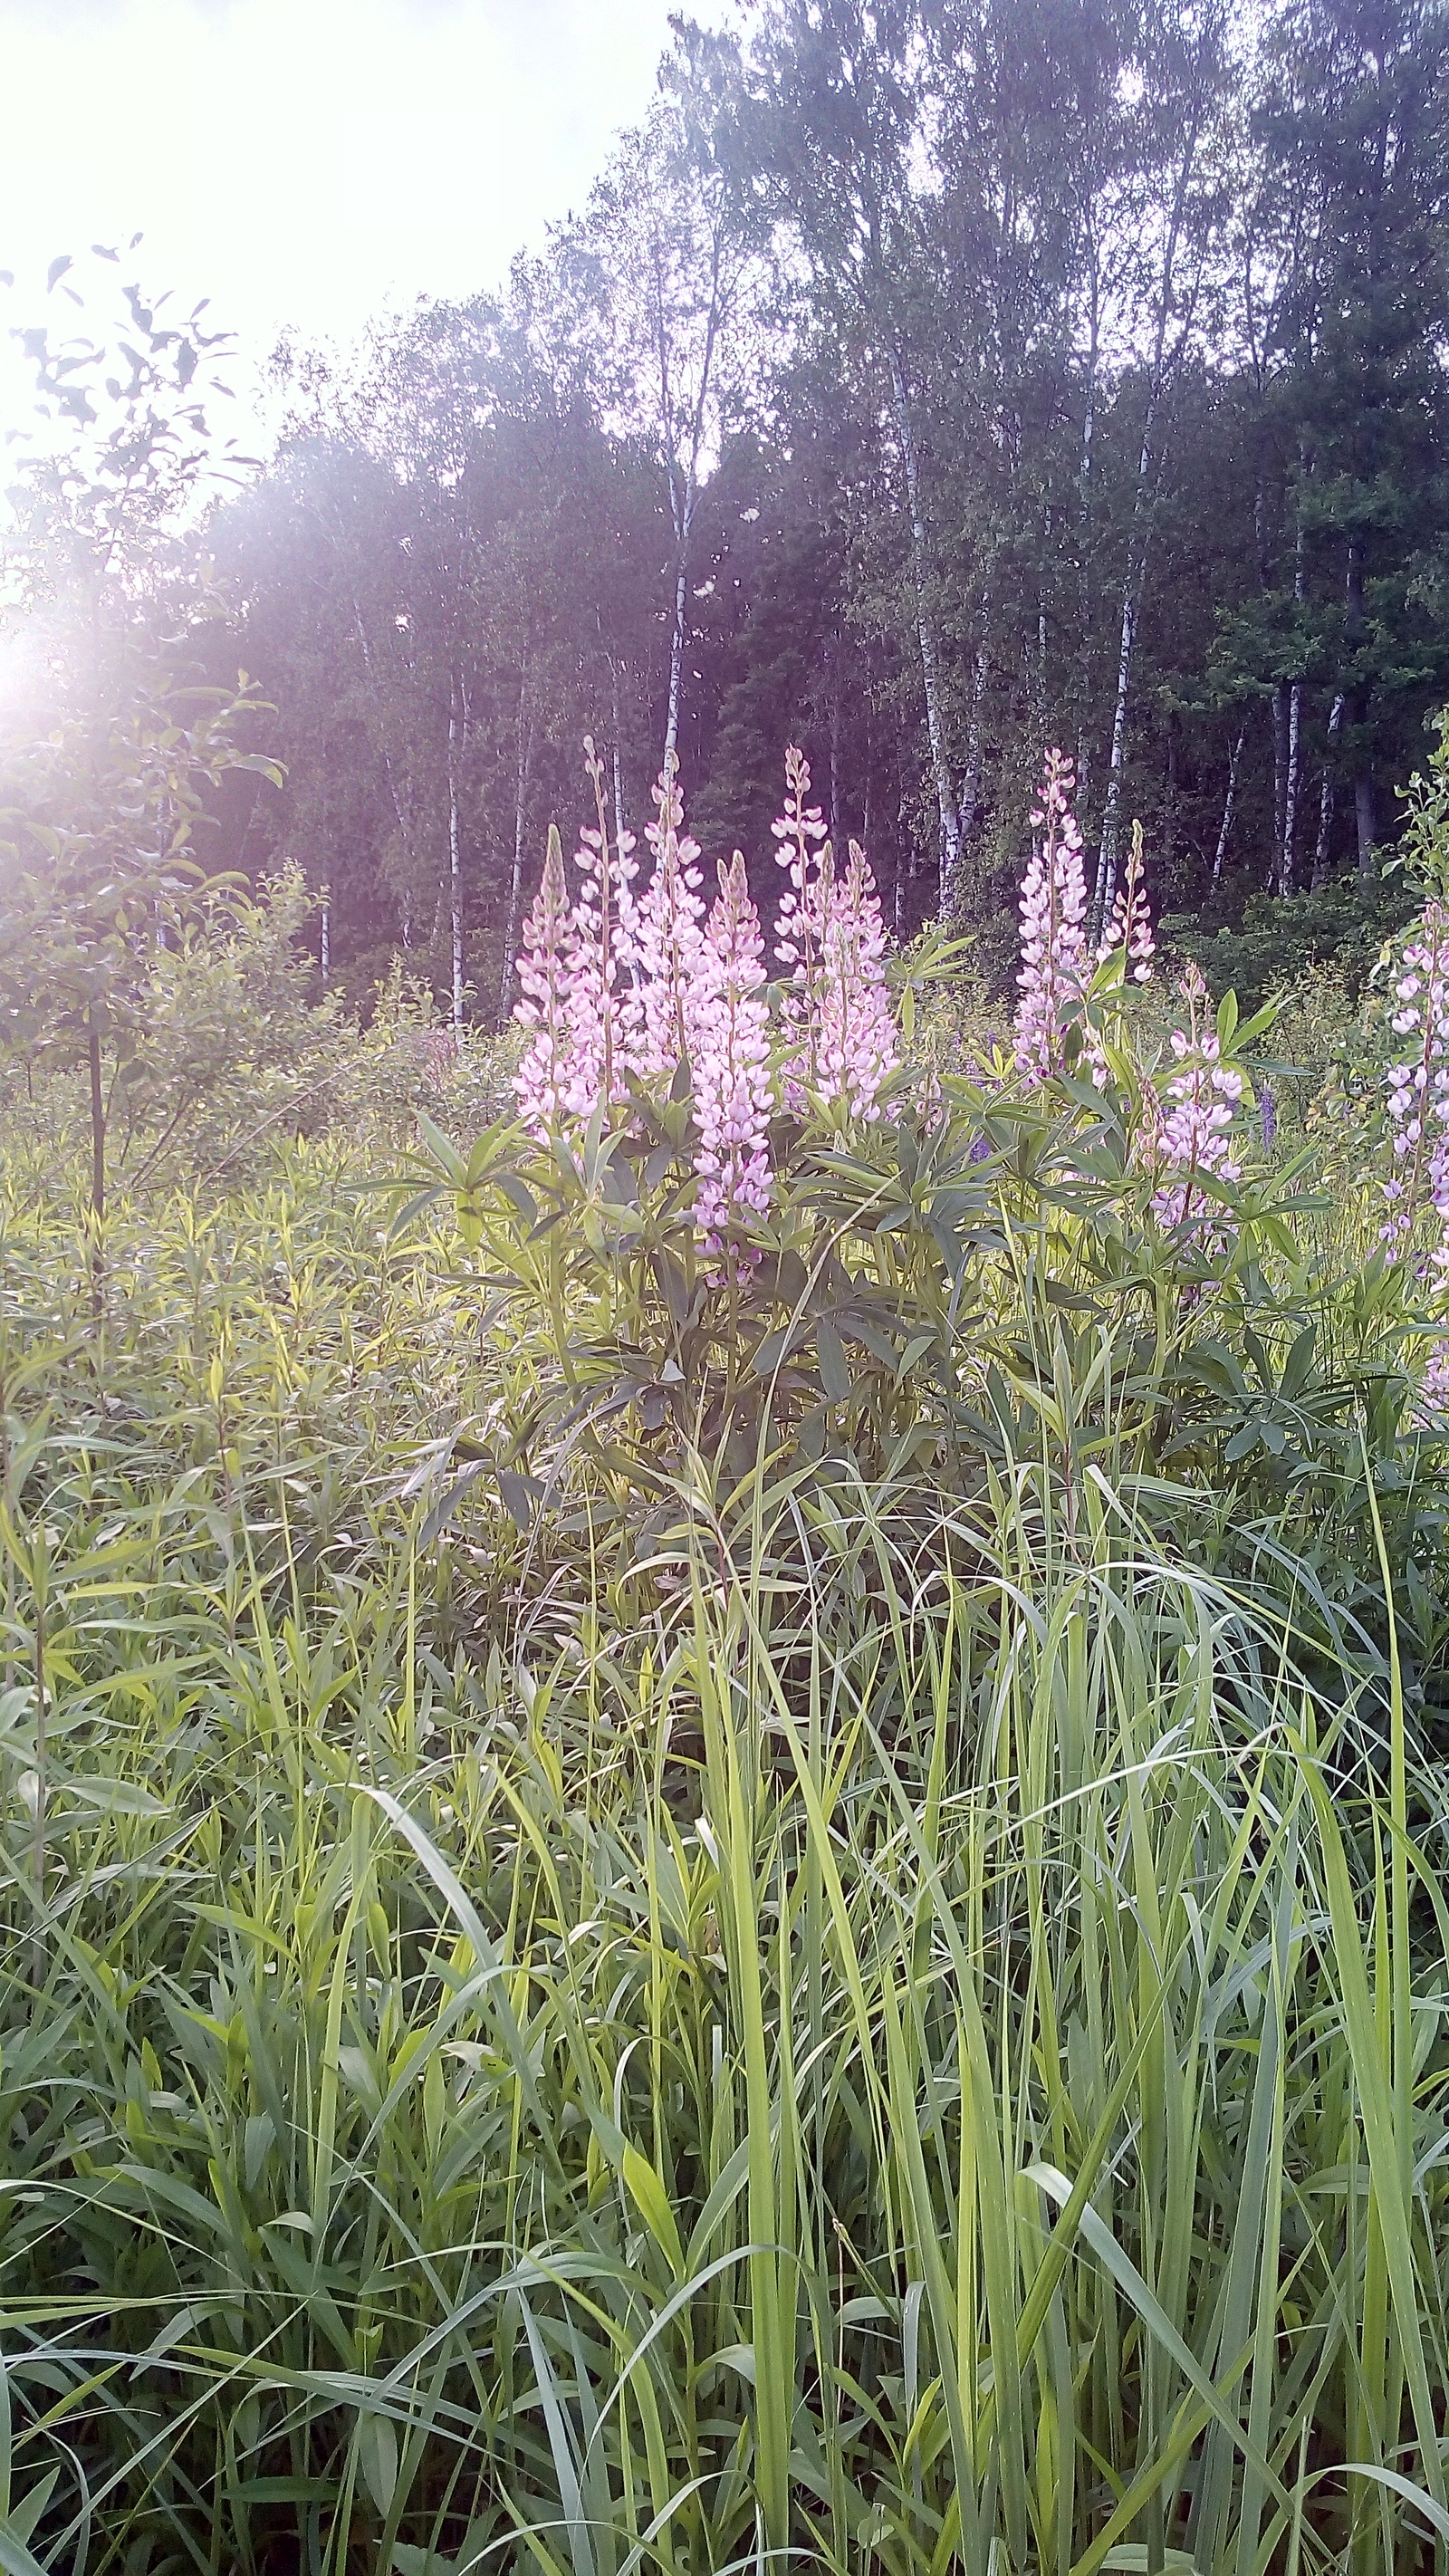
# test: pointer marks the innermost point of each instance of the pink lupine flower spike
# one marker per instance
(729, 1050)
(1054, 958)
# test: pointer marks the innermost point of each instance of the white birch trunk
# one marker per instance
(682, 472)
(1147, 463)
(1229, 802)
(1290, 788)
(926, 638)
(971, 796)
(618, 757)
(523, 763)
(1293, 780)
(455, 858)
(1106, 885)
(676, 656)
(1085, 518)
(1327, 786)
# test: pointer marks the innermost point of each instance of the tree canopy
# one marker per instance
(927, 381)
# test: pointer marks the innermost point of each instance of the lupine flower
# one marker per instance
(1418, 1085)
(667, 932)
(1431, 1401)
(1418, 1110)
(543, 973)
(603, 1008)
(855, 1031)
(799, 924)
(829, 936)
(729, 1051)
(1130, 927)
(615, 987)
(1054, 961)
(1194, 1133)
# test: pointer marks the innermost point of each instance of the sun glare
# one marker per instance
(307, 165)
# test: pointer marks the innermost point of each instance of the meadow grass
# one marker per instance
(934, 2056)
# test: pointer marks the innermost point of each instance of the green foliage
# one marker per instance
(938, 1300)
(97, 862)
(671, 1912)
(227, 1051)
(521, 2052)
(1091, 389)
(1424, 850)
(110, 776)
(228, 1027)
(1338, 933)
(1280, 941)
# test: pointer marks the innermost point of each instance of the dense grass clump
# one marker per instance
(604, 2018)
(726, 1848)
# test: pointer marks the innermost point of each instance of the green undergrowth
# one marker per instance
(536, 2039)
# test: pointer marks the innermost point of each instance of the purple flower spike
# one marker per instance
(667, 931)
(729, 1051)
(1418, 1087)
(829, 936)
(800, 924)
(603, 1008)
(1130, 927)
(1195, 1135)
(543, 974)
(1054, 961)
(856, 1031)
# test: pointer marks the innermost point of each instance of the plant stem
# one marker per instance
(98, 1166)
(37, 1831)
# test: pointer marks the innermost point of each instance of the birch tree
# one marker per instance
(839, 93)
(1186, 91)
(665, 275)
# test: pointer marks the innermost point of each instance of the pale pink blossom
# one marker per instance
(855, 1030)
(620, 989)
(1192, 1136)
(543, 972)
(839, 1032)
(1431, 1400)
(1418, 1085)
(1055, 967)
(800, 924)
(602, 1002)
(1130, 927)
(667, 931)
(729, 1050)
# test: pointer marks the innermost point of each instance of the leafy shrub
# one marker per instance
(1282, 940)
(1086, 1255)
(228, 1051)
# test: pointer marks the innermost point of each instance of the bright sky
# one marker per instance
(306, 161)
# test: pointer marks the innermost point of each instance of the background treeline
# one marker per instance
(925, 381)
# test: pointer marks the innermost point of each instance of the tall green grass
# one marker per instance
(942, 2066)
